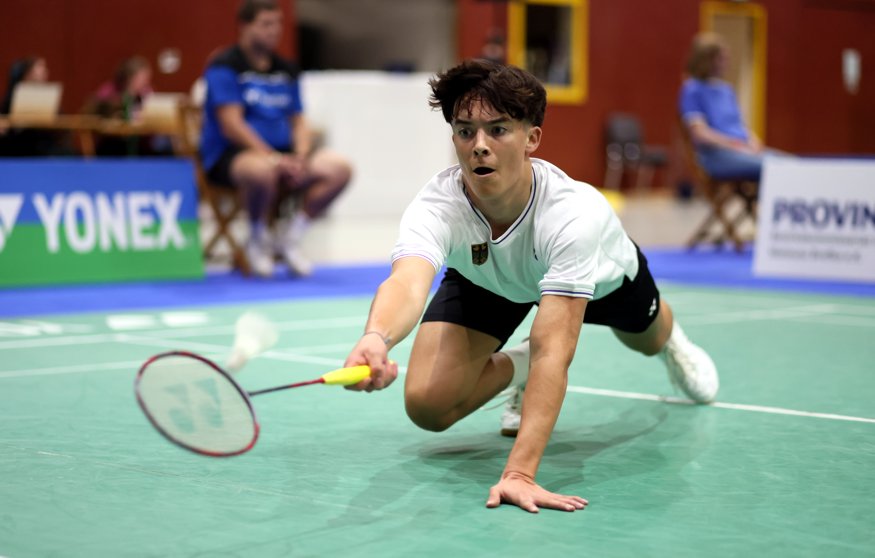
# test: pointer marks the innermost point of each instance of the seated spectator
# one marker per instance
(255, 138)
(726, 147)
(17, 142)
(122, 98)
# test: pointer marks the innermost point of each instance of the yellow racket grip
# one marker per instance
(347, 376)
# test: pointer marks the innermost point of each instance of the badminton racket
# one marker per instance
(198, 406)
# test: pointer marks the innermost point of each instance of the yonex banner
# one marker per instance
(816, 219)
(73, 221)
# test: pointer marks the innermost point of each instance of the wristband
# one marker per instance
(386, 340)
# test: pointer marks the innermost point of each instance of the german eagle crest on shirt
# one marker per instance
(479, 253)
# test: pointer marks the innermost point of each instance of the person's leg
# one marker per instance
(255, 175)
(732, 165)
(645, 323)
(329, 173)
(454, 367)
(650, 341)
(453, 371)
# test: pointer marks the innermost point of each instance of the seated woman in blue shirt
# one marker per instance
(725, 146)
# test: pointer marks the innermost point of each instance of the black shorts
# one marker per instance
(631, 308)
(220, 172)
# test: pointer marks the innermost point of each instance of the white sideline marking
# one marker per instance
(718, 404)
(328, 323)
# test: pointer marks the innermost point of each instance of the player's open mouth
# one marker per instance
(483, 171)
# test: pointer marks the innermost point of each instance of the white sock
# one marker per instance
(519, 356)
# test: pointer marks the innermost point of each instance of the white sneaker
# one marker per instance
(289, 246)
(260, 254)
(689, 367)
(510, 418)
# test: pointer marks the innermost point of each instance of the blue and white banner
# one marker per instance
(816, 219)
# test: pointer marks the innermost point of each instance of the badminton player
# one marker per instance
(513, 231)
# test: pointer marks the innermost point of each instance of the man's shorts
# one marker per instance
(220, 172)
(631, 308)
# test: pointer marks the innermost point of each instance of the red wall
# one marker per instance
(85, 40)
(637, 50)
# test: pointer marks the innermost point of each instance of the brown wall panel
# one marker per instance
(85, 40)
(637, 53)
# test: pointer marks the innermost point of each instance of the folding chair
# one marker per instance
(625, 150)
(224, 203)
(720, 226)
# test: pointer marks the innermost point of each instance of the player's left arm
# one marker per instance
(553, 341)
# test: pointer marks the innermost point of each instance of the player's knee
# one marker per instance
(425, 414)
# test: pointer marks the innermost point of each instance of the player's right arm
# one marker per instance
(395, 311)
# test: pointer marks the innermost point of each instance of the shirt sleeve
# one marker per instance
(222, 86)
(572, 261)
(690, 103)
(424, 234)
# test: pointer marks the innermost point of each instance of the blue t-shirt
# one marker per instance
(269, 100)
(715, 101)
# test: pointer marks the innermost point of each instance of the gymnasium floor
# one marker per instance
(781, 466)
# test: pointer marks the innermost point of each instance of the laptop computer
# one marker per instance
(36, 100)
(161, 109)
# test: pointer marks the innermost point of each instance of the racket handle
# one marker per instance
(347, 376)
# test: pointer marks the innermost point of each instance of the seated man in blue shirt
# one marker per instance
(725, 146)
(255, 138)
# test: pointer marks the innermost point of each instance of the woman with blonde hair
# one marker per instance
(726, 147)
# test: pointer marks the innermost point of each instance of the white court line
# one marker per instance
(718, 404)
(290, 357)
(51, 371)
(329, 323)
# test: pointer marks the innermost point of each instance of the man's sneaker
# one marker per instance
(689, 367)
(298, 263)
(510, 418)
(259, 252)
(289, 245)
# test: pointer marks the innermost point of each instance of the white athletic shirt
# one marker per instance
(567, 241)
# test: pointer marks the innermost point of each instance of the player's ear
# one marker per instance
(533, 139)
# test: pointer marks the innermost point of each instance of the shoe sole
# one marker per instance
(509, 432)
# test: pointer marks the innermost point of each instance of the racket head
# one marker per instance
(196, 405)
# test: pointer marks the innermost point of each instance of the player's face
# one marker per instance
(493, 150)
(266, 29)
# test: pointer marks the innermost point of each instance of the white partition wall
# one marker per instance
(396, 143)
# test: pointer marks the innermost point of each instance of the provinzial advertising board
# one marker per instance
(816, 219)
(75, 221)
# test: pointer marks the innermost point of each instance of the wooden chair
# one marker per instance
(722, 195)
(225, 203)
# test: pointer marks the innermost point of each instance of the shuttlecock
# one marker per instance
(254, 334)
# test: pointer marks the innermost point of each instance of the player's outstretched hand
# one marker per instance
(521, 490)
(371, 350)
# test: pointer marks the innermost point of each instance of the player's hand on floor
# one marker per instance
(371, 350)
(521, 490)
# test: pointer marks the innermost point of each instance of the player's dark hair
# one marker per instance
(507, 89)
(249, 9)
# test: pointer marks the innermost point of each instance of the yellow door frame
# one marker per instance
(709, 10)
(576, 91)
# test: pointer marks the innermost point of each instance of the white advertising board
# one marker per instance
(816, 219)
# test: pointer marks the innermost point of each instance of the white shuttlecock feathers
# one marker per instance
(254, 334)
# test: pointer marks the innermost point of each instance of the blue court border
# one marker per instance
(706, 268)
